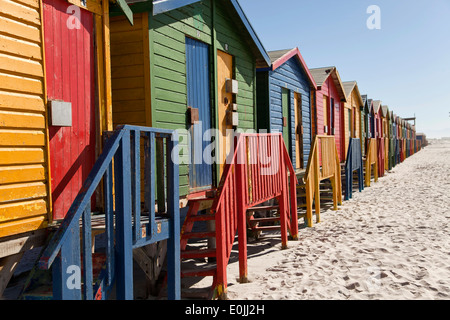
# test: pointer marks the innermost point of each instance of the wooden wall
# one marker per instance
(24, 185)
(329, 89)
(291, 76)
(352, 104)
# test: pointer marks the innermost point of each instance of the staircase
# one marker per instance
(70, 268)
(323, 175)
(260, 170)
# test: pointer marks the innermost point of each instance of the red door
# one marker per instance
(69, 54)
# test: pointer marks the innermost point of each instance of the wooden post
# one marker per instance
(124, 245)
(240, 186)
(173, 210)
(67, 268)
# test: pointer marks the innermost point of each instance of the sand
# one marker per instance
(391, 241)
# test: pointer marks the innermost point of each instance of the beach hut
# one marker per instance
(379, 132)
(188, 65)
(53, 86)
(385, 124)
(284, 102)
(351, 113)
(329, 99)
(365, 123)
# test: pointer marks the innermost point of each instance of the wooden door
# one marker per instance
(285, 117)
(70, 77)
(198, 99)
(225, 101)
(298, 131)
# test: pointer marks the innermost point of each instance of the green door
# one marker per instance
(286, 118)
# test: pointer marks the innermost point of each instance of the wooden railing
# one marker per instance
(259, 171)
(371, 159)
(323, 152)
(125, 227)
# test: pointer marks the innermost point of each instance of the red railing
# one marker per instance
(258, 171)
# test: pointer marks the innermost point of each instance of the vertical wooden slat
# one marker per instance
(173, 243)
(109, 222)
(124, 256)
(87, 254)
(136, 183)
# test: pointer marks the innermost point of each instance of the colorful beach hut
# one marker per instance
(284, 102)
(351, 113)
(365, 123)
(385, 124)
(327, 111)
(189, 65)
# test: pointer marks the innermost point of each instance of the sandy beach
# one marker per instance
(392, 241)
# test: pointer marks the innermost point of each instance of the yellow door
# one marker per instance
(225, 100)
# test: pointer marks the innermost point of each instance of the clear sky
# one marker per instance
(405, 64)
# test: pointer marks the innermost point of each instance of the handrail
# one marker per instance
(257, 172)
(371, 159)
(324, 152)
(353, 163)
(123, 224)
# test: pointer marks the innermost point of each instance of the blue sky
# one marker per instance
(405, 64)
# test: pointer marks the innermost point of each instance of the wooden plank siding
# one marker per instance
(163, 102)
(328, 89)
(289, 76)
(24, 175)
(353, 104)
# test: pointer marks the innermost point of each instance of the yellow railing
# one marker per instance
(371, 159)
(323, 164)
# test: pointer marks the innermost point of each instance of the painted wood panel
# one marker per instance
(291, 77)
(24, 186)
(70, 77)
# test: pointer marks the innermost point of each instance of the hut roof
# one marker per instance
(238, 16)
(320, 75)
(279, 57)
(376, 105)
(349, 86)
(384, 110)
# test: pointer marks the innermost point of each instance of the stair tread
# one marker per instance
(202, 217)
(268, 219)
(198, 253)
(190, 235)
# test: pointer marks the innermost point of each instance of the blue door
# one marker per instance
(199, 100)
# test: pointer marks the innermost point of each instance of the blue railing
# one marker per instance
(128, 222)
(353, 163)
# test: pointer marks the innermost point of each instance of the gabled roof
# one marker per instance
(370, 104)
(349, 86)
(320, 75)
(279, 57)
(376, 105)
(263, 60)
(384, 111)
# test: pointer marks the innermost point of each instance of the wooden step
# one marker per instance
(202, 217)
(263, 208)
(199, 272)
(198, 253)
(270, 219)
(193, 235)
(267, 228)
